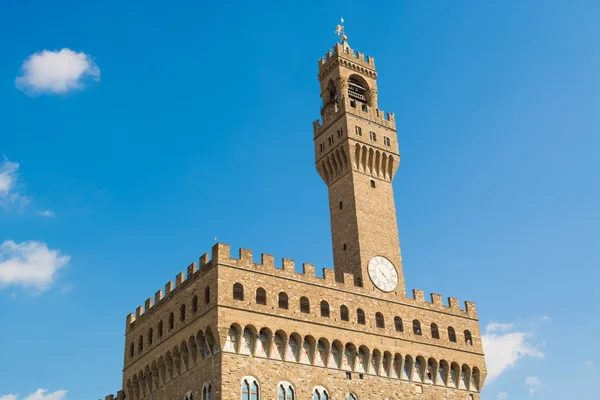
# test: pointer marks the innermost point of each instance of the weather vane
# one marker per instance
(339, 30)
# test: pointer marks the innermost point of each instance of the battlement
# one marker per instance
(342, 50)
(221, 255)
(363, 111)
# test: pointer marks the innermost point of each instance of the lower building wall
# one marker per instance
(304, 378)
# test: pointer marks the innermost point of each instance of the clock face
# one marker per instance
(383, 273)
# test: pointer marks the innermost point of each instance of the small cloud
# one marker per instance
(47, 213)
(40, 394)
(9, 195)
(532, 383)
(56, 72)
(29, 264)
(588, 364)
(502, 396)
(545, 318)
(503, 350)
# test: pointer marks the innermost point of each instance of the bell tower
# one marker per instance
(356, 152)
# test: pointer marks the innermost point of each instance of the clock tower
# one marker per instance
(356, 152)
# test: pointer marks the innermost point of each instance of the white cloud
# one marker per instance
(532, 383)
(586, 363)
(47, 213)
(502, 396)
(29, 264)
(40, 394)
(56, 72)
(502, 350)
(9, 194)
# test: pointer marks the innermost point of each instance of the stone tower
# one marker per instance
(356, 151)
(235, 328)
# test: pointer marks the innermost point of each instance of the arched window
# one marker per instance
(131, 349)
(250, 389)
(195, 304)
(189, 396)
(182, 313)
(360, 316)
(283, 300)
(160, 329)
(207, 392)
(416, 327)
(238, 291)
(304, 305)
(324, 309)
(351, 396)
(261, 296)
(171, 321)
(451, 334)
(320, 393)
(141, 344)
(435, 333)
(468, 338)
(150, 336)
(398, 324)
(207, 295)
(285, 391)
(344, 315)
(379, 321)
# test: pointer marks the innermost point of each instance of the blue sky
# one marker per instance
(162, 126)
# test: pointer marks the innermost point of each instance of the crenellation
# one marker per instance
(419, 295)
(453, 304)
(191, 270)
(470, 309)
(436, 299)
(168, 288)
(348, 279)
(329, 276)
(267, 261)
(308, 270)
(221, 253)
(148, 303)
(139, 311)
(179, 280)
(109, 397)
(287, 265)
(158, 296)
(130, 319)
(204, 260)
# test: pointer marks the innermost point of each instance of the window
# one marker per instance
(341, 205)
(358, 281)
(398, 324)
(207, 295)
(320, 393)
(340, 132)
(250, 389)
(416, 327)
(321, 146)
(360, 316)
(160, 328)
(207, 392)
(330, 140)
(468, 338)
(345, 247)
(195, 304)
(348, 375)
(304, 305)
(150, 334)
(285, 391)
(182, 312)
(283, 300)
(372, 183)
(435, 333)
(344, 315)
(351, 396)
(189, 396)
(131, 348)
(324, 309)
(171, 321)
(451, 334)
(358, 131)
(373, 136)
(353, 103)
(379, 321)
(141, 344)
(261, 296)
(238, 291)
(387, 141)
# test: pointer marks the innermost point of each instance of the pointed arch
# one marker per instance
(442, 373)
(263, 344)
(322, 352)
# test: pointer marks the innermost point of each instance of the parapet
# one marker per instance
(120, 396)
(344, 51)
(221, 254)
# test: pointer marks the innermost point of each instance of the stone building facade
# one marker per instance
(231, 328)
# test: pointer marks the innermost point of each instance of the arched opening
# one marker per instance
(468, 338)
(231, 342)
(398, 324)
(160, 329)
(150, 336)
(320, 393)
(304, 305)
(351, 396)
(131, 349)
(324, 309)
(379, 321)
(344, 314)
(248, 341)
(283, 300)
(182, 313)
(250, 390)
(195, 304)
(360, 316)
(451, 334)
(262, 345)
(435, 333)
(285, 391)
(357, 88)
(238, 291)
(307, 350)
(207, 392)
(417, 327)
(292, 348)
(261, 296)
(171, 321)
(207, 295)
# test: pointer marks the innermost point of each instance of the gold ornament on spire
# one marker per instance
(339, 30)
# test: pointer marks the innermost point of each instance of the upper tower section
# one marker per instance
(356, 154)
